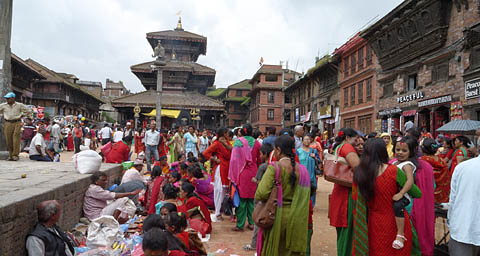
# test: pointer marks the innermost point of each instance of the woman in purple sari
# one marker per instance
(203, 186)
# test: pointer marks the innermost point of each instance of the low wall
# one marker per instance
(19, 197)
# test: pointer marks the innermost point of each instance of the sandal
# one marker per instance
(249, 247)
(219, 217)
(397, 244)
(250, 226)
(237, 229)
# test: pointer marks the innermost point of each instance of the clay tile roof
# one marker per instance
(217, 92)
(52, 76)
(26, 65)
(175, 66)
(175, 34)
(244, 84)
(185, 100)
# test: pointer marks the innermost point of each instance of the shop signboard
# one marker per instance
(307, 116)
(410, 97)
(302, 118)
(472, 89)
(435, 101)
(325, 112)
(387, 112)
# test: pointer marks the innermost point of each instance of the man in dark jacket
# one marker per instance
(47, 238)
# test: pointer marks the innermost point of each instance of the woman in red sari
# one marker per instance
(375, 184)
(341, 204)
(139, 145)
(154, 192)
(70, 146)
(440, 170)
(196, 208)
(219, 151)
(461, 144)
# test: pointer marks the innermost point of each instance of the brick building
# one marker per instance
(356, 78)
(326, 102)
(314, 97)
(60, 95)
(114, 89)
(424, 49)
(267, 96)
(237, 103)
(95, 88)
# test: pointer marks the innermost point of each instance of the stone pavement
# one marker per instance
(44, 181)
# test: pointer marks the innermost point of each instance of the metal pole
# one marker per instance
(159, 95)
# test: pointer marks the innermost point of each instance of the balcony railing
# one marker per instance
(50, 96)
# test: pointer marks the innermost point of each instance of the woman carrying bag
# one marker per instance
(340, 210)
(289, 233)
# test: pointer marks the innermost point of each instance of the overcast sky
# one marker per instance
(99, 39)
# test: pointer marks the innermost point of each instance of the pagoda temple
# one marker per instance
(185, 83)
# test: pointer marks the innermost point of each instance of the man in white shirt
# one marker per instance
(464, 209)
(56, 136)
(298, 136)
(152, 138)
(128, 131)
(118, 135)
(38, 147)
(105, 134)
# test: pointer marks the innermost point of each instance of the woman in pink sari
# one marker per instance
(243, 168)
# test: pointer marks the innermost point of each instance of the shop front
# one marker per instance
(326, 122)
(435, 112)
(390, 119)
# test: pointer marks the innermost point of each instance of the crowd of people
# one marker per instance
(194, 178)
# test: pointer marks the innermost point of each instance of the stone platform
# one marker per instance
(44, 181)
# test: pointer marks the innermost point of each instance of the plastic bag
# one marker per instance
(87, 161)
(103, 231)
(127, 165)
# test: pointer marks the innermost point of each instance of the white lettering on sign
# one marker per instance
(410, 97)
(435, 101)
(472, 89)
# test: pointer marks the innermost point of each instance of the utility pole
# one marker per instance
(5, 62)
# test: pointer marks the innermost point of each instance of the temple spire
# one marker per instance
(179, 24)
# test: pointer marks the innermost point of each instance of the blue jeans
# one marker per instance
(40, 158)
(149, 150)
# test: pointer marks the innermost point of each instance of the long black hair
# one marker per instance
(170, 191)
(189, 189)
(412, 148)
(156, 172)
(373, 157)
(345, 132)
(464, 140)
(287, 145)
(246, 130)
(429, 146)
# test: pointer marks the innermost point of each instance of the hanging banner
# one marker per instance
(472, 89)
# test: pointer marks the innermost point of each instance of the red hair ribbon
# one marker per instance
(340, 134)
(245, 130)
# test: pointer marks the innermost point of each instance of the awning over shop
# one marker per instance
(172, 113)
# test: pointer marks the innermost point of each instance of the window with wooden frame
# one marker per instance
(368, 59)
(345, 97)
(360, 58)
(369, 90)
(360, 92)
(352, 95)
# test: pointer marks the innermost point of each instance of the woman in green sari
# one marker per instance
(289, 233)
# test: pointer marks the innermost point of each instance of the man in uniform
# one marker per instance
(12, 113)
